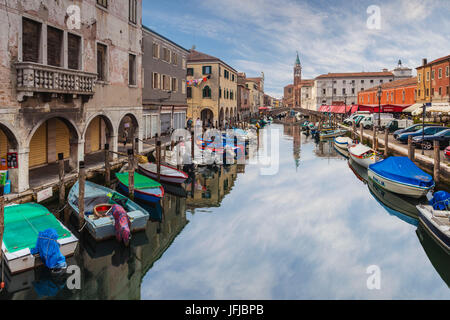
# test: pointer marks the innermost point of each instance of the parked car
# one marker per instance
(443, 137)
(447, 153)
(412, 128)
(427, 131)
(350, 119)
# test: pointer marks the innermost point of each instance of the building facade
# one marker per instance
(70, 81)
(164, 91)
(243, 101)
(298, 93)
(211, 89)
(433, 81)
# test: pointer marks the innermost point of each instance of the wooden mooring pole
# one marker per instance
(131, 174)
(62, 189)
(81, 185)
(158, 159)
(361, 135)
(2, 219)
(354, 130)
(107, 166)
(411, 149)
(437, 161)
(386, 142)
(374, 139)
(192, 147)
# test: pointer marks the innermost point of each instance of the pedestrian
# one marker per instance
(189, 124)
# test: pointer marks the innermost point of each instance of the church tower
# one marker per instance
(297, 71)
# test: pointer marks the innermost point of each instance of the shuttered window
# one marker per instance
(155, 84)
(174, 84)
(132, 10)
(31, 39)
(132, 70)
(101, 61)
(54, 46)
(73, 47)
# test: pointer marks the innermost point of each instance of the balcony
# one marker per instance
(35, 77)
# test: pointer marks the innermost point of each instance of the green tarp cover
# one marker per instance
(24, 222)
(140, 181)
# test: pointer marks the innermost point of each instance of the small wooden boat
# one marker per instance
(342, 142)
(363, 155)
(400, 175)
(145, 189)
(325, 134)
(437, 224)
(167, 174)
(23, 222)
(103, 228)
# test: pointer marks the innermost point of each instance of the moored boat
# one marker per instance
(23, 223)
(363, 155)
(145, 189)
(332, 133)
(103, 228)
(400, 175)
(437, 224)
(342, 142)
(167, 174)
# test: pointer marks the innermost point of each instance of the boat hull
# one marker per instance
(141, 195)
(397, 187)
(164, 178)
(364, 162)
(438, 235)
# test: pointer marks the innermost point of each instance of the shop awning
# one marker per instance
(335, 109)
(412, 108)
(443, 107)
(384, 108)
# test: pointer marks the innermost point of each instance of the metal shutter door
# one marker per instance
(62, 138)
(38, 147)
(148, 127)
(154, 126)
(95, 134)
(3, 145)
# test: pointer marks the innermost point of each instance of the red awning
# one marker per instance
(263, 108)
(390, 108)
(354, 109)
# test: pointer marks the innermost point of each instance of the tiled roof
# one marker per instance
(396, 84)
(197, 56)
(436, 61)
(354, 74)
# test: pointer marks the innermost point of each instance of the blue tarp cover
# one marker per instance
(402, 170)
(48, 248)
(440, 201)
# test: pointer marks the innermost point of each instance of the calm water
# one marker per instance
(308, 232)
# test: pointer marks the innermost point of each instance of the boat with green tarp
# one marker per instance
(23, 222)
(145, 189)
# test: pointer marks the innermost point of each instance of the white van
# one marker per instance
(372, 119)
(350, 119)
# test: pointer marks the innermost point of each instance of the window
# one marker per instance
(432, 74)
(440, 73)
(166, 82)
(103, 3)
(155, 81)
(166, 55)
(353, 90)
(31, 39)
(428, 92)
(371, 81)
(447, 72)
(419, 76)
(101, 62)
(189, 92)
(54, 47)
(190, 71)
(183, 86)
(428, 75)
(206, 92)
(362, 81)
(418, 93)
(174, 58)
(231, 95)
(206, 69)
(73, 48)
(403, 96)
(226, 74)
(156, 51)
(381, 81)
(334, 91)
(132, 10)
(440, 91)
(324, 91)
(343, 91)
(232, 77)
(220, 92)
(174, 85)
(344, 81)
(432, 91)
(131, 69)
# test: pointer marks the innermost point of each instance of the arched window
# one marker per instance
(206, 92)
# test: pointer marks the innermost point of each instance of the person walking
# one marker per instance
(189, 124)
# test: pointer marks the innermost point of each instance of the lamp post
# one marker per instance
(424, 106)
(380, 91)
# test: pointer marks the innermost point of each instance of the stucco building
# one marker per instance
(164, 91)
(70, 81)
(243, 101)
(211, 89)
(433, 81)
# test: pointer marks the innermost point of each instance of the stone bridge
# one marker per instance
(306, 112)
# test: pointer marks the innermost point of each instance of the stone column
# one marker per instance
(19, 177)
(76, 153)
(113, 145)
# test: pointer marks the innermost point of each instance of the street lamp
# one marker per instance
(380, 91)
(424, 106)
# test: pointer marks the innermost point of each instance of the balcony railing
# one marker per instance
(35, 77)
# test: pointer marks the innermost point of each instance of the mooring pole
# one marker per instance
(2, 224)
(386, 142)
(81, 185)
(192, 147)
(107, 166)
(411, 149)
(374, 138)
(354, 129)
(158, 159)
(361, 133)
(437, 161)
(62, 189)
(131, 174)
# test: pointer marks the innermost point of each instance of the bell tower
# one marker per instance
(297, 71)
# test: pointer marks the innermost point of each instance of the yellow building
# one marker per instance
(211, 89)
(423, 83)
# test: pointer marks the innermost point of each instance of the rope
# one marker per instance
(82, 226)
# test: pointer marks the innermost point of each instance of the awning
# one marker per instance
(443, 107)
(263, 108)
(373, 108)
(413, 108)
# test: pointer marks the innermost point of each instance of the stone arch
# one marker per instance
(128, 128)
(106, 133)
(8, 134)
(221, 117)
(68, 122)
(207, 115)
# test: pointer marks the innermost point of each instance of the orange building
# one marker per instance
(433, 81)
(396, 95)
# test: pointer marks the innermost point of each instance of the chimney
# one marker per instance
(424, 61)
(385, 70)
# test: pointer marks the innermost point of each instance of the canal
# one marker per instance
(315, 229)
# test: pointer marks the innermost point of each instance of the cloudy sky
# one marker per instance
(330, 35)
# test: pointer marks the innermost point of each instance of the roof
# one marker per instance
(297, 61)
(197, 56)
(409, 82)
(435, 61)
(355, 74)
(161, 36)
